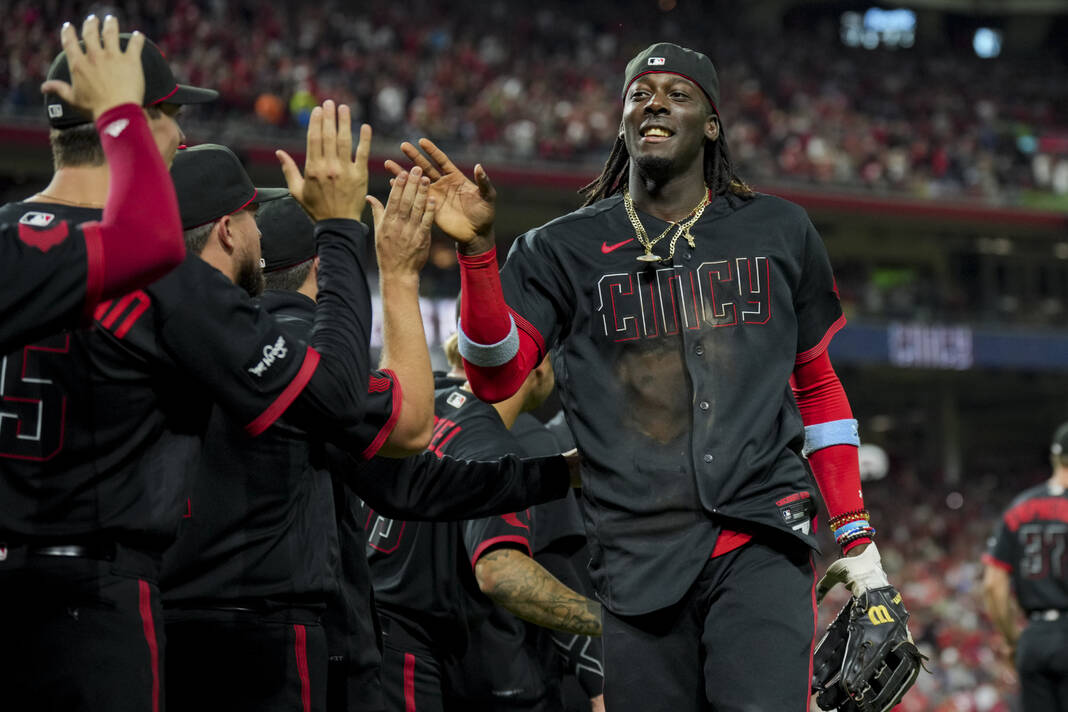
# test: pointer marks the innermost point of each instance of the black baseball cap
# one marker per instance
(1059, 446)
(160, 86)
(287, 234)
(665, 57)
(211, 182)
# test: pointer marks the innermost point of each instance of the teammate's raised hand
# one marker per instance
(102, 75)
(402, 227)
(465, 207)
(334, 184)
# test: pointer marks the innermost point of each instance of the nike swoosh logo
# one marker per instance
(606, 248)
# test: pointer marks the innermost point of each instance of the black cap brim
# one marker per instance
(265, 195)
(185, 94)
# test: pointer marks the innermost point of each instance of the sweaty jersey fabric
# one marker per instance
(100, 428)
(424, 572)
(259, 522)
(1031, 542)
(675, 378)
(50, 269)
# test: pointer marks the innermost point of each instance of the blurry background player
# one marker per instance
(55, 272)
(510, 664)
(1028, 558)
(247, 581)
(694, 447)
(433, 582)
(111, 418)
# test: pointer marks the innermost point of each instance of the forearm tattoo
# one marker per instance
(526, 589)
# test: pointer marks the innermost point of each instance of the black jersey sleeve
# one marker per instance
(536, 291)
(382, 410)
(431, 488)
(514, 530)
(1002, 548)
(818, 309)
(51, 276)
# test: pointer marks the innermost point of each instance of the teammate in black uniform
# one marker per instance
(680, 307)
(249, 577)
(511, 665)
(1028, 556)
(429, 578)
(53, 273)
(99, 428)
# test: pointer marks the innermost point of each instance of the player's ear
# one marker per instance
(225, 232)
(712, 127)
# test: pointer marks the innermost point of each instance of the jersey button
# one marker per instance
(699, 350)
(704, 405)
(689, 255)
(709, 457)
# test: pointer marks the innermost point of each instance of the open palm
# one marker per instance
(465, 207)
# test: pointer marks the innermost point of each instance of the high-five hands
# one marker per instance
(402, 227)
(334, 184)
(465, 208)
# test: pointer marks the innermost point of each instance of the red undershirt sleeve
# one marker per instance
(497, 355)
(830, 436)
(140, 231)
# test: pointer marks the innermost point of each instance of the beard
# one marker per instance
(654, 171)
(250, 276)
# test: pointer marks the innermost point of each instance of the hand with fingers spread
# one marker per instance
(402, 227)
(103, 75)
(465, 208)
(334, 184)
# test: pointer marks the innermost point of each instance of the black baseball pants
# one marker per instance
(740, 640)
(80, 634)
(1043, 666)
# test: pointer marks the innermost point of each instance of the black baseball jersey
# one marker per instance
(675, 377)
(51, 268)
(423, 572)
(259, 522)
(1031, 542)
(99, 428)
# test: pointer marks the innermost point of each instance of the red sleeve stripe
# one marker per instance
(989, 560)
(529, 330)
(523, 542)
(394, 415)
(806, 356)
(94, 278)
(285, 399)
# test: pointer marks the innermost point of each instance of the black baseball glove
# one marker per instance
(866, 661)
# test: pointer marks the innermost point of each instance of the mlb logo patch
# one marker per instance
(34, 219)
(456, 400)
(55, 111)
(656, 61)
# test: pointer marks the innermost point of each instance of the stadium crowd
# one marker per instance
(543, 86)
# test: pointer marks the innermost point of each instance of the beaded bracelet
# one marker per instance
(845, 517)
(849, 537)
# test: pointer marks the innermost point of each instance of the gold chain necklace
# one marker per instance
(681, 227)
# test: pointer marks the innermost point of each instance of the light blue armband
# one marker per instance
(834, 432)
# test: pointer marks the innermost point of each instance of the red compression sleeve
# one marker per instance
(141, 232)
(821, 399)
(485, 319)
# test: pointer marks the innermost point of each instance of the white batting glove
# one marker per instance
(858, 573)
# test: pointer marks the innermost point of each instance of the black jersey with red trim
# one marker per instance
(51, 267)
(259, 522)
(675, 375)
(100, 428)
(423, 572)
(1031, 542)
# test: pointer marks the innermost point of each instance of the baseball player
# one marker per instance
(99, 427)
(689, 318)
(248, 579)
(1028, 557)
(55, 271)
(429, 578)
(509, 664)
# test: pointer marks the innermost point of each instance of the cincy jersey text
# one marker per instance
(650, 304)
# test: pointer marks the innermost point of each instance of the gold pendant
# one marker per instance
(648, 257)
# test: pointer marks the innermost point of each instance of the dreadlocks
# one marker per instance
(719, 173)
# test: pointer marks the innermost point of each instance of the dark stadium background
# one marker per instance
(927, 139)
